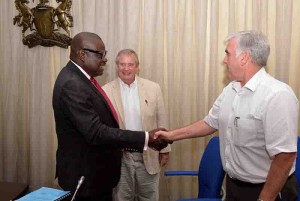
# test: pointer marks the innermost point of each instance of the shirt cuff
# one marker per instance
(146, 140)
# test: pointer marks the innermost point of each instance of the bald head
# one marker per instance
(82, 40)
(88, 51)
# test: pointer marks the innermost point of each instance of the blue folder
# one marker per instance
(45, 194)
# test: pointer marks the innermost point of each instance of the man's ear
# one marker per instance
(81, 55)
(245, 58)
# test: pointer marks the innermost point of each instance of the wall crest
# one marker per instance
(45, 25)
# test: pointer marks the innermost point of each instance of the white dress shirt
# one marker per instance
(131, 106)
(255, 122)
(132, 109)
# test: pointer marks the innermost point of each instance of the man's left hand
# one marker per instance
(163, 159)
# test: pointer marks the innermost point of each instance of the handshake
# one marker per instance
(158, 143)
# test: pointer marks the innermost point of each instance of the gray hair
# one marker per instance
(254, 42)
(127, 52)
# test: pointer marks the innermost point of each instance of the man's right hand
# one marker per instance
(163, 135)
(157, 144)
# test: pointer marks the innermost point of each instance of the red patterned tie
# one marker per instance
(95, 83)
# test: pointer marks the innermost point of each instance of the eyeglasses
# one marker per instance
(100, 54)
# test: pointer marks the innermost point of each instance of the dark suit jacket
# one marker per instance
(89, 140)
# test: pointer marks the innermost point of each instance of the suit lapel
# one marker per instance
(118, 101)
(143, 98)
(88, 82)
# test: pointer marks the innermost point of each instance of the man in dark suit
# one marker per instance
(90, 142)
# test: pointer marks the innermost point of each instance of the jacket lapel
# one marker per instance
(118, 102)
(88, 82)
(143, 98)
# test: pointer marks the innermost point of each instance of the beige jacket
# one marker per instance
(152, 113)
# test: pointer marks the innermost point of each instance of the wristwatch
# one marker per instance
(260, 199)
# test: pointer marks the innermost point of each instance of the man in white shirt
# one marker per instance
(139, 105)
(257, 118)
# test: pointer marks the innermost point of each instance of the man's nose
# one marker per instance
(103, 62)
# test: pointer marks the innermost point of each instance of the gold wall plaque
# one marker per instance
(45, 23)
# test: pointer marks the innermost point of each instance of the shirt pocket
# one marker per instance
(245, 132)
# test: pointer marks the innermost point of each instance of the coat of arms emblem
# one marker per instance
(45, 23)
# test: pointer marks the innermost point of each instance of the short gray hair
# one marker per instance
(254, 42)
(127, 52)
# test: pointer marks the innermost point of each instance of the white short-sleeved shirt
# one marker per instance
(255, 123)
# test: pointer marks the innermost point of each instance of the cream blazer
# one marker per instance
(152, 113)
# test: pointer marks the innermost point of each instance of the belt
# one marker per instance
(131, 150)
(243, 183)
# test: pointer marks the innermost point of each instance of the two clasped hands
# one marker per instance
(158, 139)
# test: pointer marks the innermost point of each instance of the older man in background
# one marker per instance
(139, 104)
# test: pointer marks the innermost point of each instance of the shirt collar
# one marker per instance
(87, 75)
(253, 83)
(124, 85)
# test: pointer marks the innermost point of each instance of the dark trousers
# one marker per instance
(237, 190)
(105, 196)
